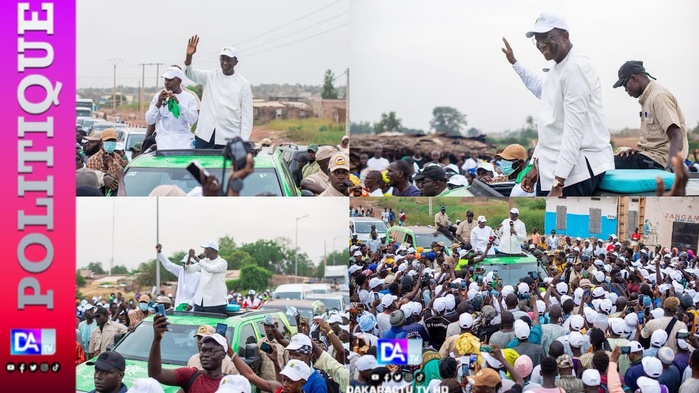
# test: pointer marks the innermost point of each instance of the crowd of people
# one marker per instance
(596, 315)
(574, 149)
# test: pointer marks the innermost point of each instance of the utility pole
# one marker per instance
(143, 80)
(347, 104)
(114, 62)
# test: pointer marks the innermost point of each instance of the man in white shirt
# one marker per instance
(377, 162)
(174, 124)
(552, 241)
(513, 233)
(226, 110)
(480, 236)
(187, 283)
(574, 149)
(251, 301)
(211, 294)
(374, 243)
(471, 162)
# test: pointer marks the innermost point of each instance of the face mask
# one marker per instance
(506, 167)
(109, 147)
(143, 306)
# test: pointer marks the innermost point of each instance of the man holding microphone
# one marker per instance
(512, 233)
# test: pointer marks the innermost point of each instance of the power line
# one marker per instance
(276, 28)
(295, 41)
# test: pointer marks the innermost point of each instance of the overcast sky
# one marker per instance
(189, 222)
(410, 56)
(278, 41)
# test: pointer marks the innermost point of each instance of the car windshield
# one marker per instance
(133, 139)
(177, 346)
(141, 181)
(83, 112)
(288, 295)
(511, 273)
(365, 226)
(425, 240)
(330, 303)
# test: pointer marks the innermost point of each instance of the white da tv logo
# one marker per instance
(33, 341)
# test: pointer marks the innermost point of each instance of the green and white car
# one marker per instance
(179, 344)
(147, 171)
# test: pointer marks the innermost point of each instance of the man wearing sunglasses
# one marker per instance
(663, 128)
(574, 150)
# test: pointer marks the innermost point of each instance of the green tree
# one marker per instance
(363, 127)
(334, 258)
(96, 268)
(238, 258)
(389, 122)
(448, 120)
(251, 277)
(329, 91)
(268, 254)
(146, 273)
(79, 280)
(473, 132)
(120, 269)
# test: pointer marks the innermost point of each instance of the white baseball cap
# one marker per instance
(357, 254)
(388, 299)
(562, 288)
(465, 320)
(546, 22)
(229, 51)
(575, 339)
(522, 330)
(233, 384)
(366, 362)
(492, 362)
(618, 325)
(298, 341)
(576, 322)
(210, 244)
(173, 72)
(150, 385)
(514, 210)
(652, 366)
(658, 338)
(482, 219)
(522, 287)
(648, 385)
(635, 347)
(598, 291)
(440, 304)
(297, 370)
(220, 340)
(591, 377)
(605, 306)
(354, 268)
(374, 282)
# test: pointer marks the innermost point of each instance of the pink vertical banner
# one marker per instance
(37, 329)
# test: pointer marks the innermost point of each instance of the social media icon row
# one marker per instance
(32, 367)
(397, 377)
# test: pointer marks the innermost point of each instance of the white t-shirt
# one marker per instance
(173, 132)
(512, 244)
(480, 237)
(377, 164)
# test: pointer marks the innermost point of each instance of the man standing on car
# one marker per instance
(512, 233)
(187, 283)
(574, 149)
(173, 112)
(226, 106)
(211, 294)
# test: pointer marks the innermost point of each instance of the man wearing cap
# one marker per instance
(383, 317)
(300, 350)
(226, 110)
(173, 111)
(591, 380)
(294, 377)
(109, 372)
(485, 381)
(211, 293)
(524, 347)
(267, 368)
(574, 149)
(105, 160)
(187, 282)
(480, 236)
(338, 174)
(513, 233)
(513, 164)
(251, 301)
(568, 382)
(442, 223)
(103, 335)
(136, 316)
(431, 180)
(212, 352)
(319, 181)
(636, 368)
(663, 128)
(436, 325)
(667, 322)
(312, 166)
(86, 326)
(195, 361)
(463, 231)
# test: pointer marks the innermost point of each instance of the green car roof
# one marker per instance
(182, 161)
(139, 369)
(509, 260)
